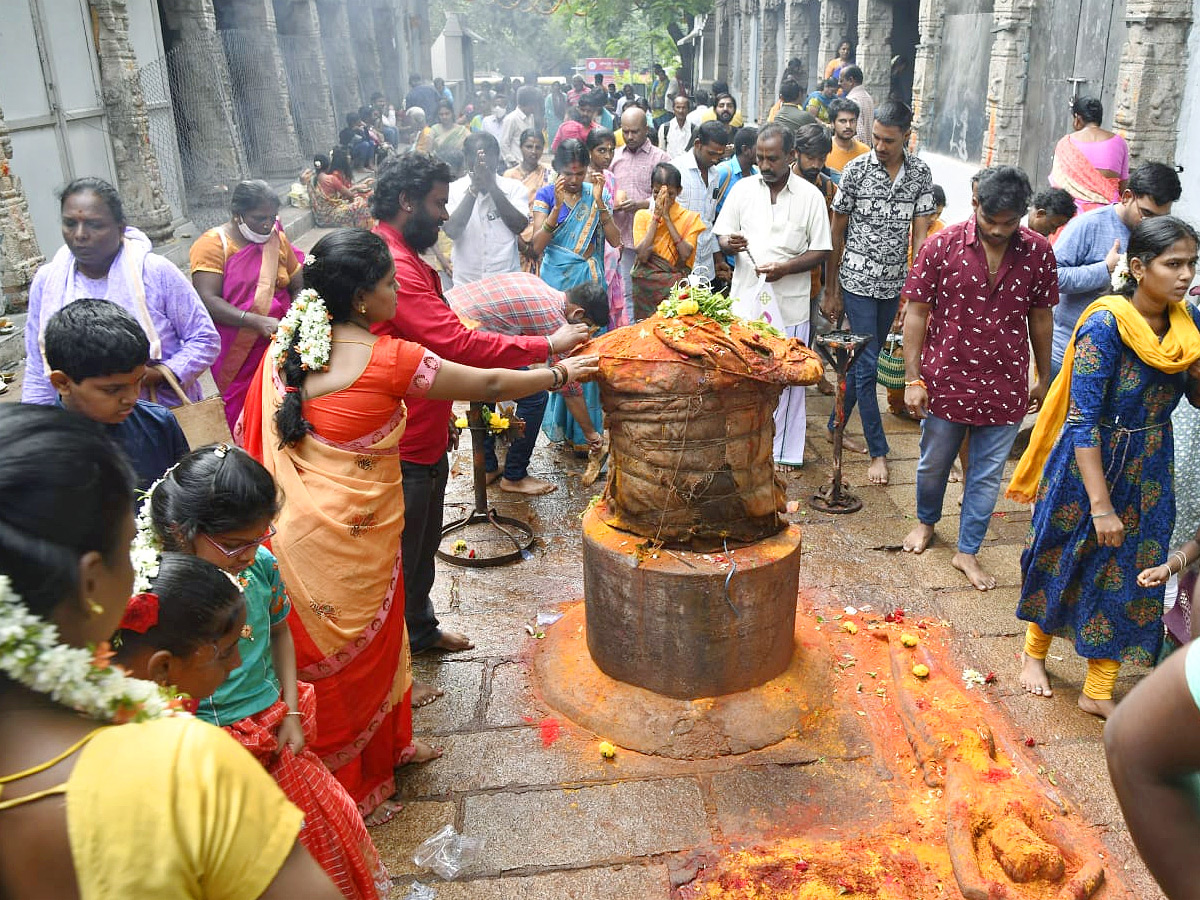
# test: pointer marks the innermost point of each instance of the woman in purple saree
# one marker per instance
(247, 273)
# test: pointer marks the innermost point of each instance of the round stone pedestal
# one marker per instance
(794, 703)
(680, 625)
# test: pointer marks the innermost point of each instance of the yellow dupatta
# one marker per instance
(1177, 351)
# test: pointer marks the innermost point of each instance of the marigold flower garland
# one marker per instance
(308, 320)
(75, 677)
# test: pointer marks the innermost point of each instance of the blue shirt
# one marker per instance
(152, 441)
(1082, 273)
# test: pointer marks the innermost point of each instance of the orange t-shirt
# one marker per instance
(838, 157)
(689, 225)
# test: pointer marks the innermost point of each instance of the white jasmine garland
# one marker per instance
(146, 549)
(1121, 274)
(77, 678)
(308, 321)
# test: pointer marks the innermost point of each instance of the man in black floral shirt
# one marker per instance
(883, 195)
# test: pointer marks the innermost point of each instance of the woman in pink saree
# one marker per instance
(1091, 163)
(247, 273)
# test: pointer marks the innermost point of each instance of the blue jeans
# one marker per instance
(874, 317)
(988, 447)
(516, 463)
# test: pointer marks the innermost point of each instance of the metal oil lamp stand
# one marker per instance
(840, 349)
(517, 532)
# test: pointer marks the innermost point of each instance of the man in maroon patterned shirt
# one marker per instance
(978, 294)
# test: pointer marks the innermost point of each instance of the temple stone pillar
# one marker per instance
(393, 80)
(798, 38)
(1007, 73)
(138, 175)
(210, 146)
(339, 58)
(874, 51)
(925, 68)
(258, 72)
(770, 24)
(308, 79)
(1150, 82)
(20, 254)
(837, 25)
(722, 13)
(366, 51)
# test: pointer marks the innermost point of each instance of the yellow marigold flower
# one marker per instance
(921, 671)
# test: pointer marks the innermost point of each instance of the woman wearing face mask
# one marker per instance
(104, 258)
(247, 275)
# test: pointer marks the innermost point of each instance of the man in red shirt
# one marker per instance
(978, 294)
(410, 203)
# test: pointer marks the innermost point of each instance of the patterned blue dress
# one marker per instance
(1072, 587)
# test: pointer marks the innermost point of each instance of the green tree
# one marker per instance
(664, 22)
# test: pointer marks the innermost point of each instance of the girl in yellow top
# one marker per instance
(164, 806)
(664, 240)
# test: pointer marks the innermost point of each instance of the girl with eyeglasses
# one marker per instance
(218, 504)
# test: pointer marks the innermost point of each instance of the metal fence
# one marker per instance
(215, 120)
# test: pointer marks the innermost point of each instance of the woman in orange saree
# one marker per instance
(325, 415)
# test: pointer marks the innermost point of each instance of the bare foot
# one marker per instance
(919, 538)
(1034, 678)
(956, 473)
(452, 640)
(848, 443)
(529, 485)
(423, 694)
(1100, 708)
(877, 472)
(825, 387)
(422, 753)
(493, 477)
(968, 564)
(384, 813)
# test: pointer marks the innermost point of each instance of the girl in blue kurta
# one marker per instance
(1104, 505)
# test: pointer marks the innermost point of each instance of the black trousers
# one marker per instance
(424, 498)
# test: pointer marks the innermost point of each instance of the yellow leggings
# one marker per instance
(1101, 673)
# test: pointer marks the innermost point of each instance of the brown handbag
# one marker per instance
(203, 422)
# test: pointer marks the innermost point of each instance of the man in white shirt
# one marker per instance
(675, 135)
(699, 186)
(702, 109)
(487, 212)
(516, 122)
(494, 123)
(780, 220)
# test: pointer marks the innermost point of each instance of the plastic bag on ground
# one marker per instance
(447, 852)
(418, 891)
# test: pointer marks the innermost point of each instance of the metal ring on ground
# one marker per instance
(521, 544)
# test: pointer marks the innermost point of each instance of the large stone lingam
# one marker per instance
(688, 403)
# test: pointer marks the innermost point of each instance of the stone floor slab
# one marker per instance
(458, 709)
(588, 826)
(752, 803)
(648, 882)
(397, 840)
